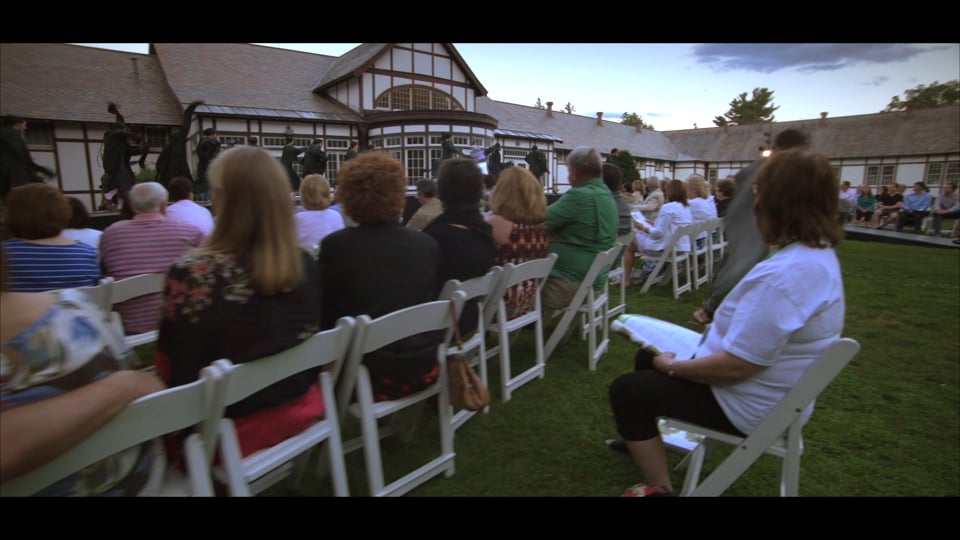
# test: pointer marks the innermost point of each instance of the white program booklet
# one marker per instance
(657, 335)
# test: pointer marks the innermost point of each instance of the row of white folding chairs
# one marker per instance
(109, 292)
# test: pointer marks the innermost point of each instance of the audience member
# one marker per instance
(889, 202)
(316, 220)
(380, 266)
(583, 222)
(337, 207)
(58, 389)
(145, 244)
(430, 205)
(652, 201)
(465, 238)
(866, 205)
(78, 228)
(39, 256)
(288, 156)
(518, 212)
(724, 194)
(16, 164)
(207, 150)
(745, 247)
(639, 191)
(947, 206)
(916, 206)
(613, 178)
(183, 209)
(848, 201)
(249, 292)
(653, 236)
(770, 328)
(701, 209)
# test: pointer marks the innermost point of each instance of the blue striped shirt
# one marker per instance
(44, 267)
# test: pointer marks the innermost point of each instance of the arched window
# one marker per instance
(416, 98)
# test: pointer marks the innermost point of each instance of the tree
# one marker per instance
(926, 97)
(743, 111)
(633, 119)
(629, 166)
(568, 108)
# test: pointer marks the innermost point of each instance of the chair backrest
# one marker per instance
(785, 416)
(151, 416)
(532, 269)
(139, 285)
(488, 288)
(372, 334)
(325, 348)
(101, 294)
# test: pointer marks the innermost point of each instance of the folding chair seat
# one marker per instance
(780, 434)
(246, 476)
(488, 290)
(371, 335)
(534, 272)
(134, 287)
(592, 308)
(145, 419)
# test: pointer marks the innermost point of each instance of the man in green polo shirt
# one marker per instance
(583, 223)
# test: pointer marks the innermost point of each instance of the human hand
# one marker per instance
(663, 361)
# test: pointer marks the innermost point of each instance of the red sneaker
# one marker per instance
(641, 490)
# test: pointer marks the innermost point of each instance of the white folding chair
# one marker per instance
(101, 294)
(700, 256)
(780, 434)
(134, 287)
(143, 420)
(594, 311)
(246, 476)
(593, 305)
(677, 260)
(615, 276)
(488, 290)
(371, 335)
(718, 243)
(534, 272)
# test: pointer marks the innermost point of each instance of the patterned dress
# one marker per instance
(67, 348)
(527, 242)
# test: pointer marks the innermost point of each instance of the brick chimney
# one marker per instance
(599, 118)
(550, 109)
(823, 119)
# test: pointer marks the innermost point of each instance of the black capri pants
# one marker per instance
(639, 398)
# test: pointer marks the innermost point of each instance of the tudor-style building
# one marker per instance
(399, 97)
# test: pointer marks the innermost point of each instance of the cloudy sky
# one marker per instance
(682, 85)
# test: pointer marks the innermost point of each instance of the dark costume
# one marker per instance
(351, 153)
(288, 156)
(448, 148)
(537, 162)
(119, 145)
(494, 165)
(16, 164)
(172, 161)
(207, 149)
(314, 160)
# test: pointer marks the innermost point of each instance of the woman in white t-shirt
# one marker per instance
(771, 327)
(701, 207)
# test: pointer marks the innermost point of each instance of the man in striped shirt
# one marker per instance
(147, 243)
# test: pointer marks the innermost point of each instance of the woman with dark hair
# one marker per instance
(379, 267)
(464, 237)
(39, 256)
(767, 331)
(78, 228)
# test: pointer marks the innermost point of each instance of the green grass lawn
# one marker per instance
(888, 425)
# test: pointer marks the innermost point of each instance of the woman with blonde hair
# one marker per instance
(317, 218)
(519, 208)
(701, 208)
(249, 292)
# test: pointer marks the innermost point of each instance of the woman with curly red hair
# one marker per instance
(379, 267)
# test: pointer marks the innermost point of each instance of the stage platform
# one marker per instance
(890, 236)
